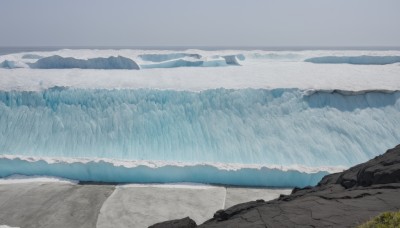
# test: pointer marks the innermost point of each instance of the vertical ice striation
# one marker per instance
(247, 126)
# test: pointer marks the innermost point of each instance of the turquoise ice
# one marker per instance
(248, 126)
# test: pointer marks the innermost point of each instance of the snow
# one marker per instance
(258, 69)
(300, 75)
(182, 185)
(20, 179)
(141, 206)
(145, 206)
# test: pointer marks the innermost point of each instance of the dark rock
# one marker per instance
(296, 189)
(383, 169)
(345, 199)
(222, 215)
(178, 223)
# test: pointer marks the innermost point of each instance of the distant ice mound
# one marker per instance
(31, 56)
(167, 57)
(58, 62)
(10, 64)
(274, 56)
(193, 61)
(145, 61)
(358, 60)
(232, 59)
(186, 63)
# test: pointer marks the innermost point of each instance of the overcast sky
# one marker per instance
(200, 23)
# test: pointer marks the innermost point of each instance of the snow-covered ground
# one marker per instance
(259, 69)
(38, 202)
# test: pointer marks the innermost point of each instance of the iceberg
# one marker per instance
(128, 59)
(9, 64)
(232, 59)
(31, 56)
(186, 63)
(58, 62)
(176, 60)
(167, 57)
(358, 60)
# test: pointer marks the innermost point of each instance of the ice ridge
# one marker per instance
(100, 170)
(358, 60)
(167, 57)
(58, 62)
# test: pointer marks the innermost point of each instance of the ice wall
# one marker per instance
(248, 126)
(359, 60)
(167, 57)
(124, 172)
(31, 56)
(186, 63)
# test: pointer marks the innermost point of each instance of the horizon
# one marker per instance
(178, 23)
(4, 50)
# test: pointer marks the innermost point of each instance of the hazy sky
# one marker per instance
(200, 23)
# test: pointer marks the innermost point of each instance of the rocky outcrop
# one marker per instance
(177, 223)
(344, 199)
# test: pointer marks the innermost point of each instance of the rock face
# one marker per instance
(178, 223)
(344, 199)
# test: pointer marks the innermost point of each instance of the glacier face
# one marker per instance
(124, 172)
(190, 116)
(248, 126)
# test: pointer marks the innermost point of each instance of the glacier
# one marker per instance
(193, 116)
(278, 127)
